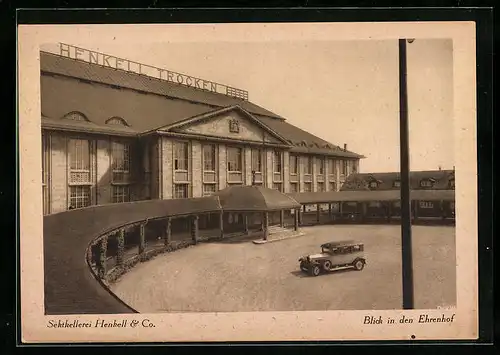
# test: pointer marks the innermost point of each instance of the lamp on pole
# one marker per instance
(406, 240)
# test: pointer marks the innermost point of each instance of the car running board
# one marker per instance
(335, 268)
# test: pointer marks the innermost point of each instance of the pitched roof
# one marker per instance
(146, 103)
(360, 181)
(217, 112)
(305, 142)
(254, 198)
(52, 63)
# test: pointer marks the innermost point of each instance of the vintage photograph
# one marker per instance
(247, 176)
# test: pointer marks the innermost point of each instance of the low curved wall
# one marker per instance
(70, 286)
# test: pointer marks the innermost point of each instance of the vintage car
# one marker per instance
(334, 256)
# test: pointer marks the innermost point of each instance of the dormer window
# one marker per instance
(426, 183)
(76, 116)
(117, 121)
(396, 184)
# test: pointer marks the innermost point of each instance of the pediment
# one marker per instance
(233, 123)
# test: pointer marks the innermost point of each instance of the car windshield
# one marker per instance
(325, 250)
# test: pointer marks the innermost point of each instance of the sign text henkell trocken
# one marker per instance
(110, 61)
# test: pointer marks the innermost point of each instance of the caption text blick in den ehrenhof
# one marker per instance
(422, 318)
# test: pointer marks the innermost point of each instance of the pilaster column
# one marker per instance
(221, 224)
(265, 225)
(363, 211)
(245, 222)
(168, 232)
(101, 262)
(121, 247)
(142, 239)
(194, 228)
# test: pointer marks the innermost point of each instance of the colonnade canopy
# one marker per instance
(254, 199)
(365, 196)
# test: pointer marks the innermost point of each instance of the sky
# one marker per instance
(346, 92)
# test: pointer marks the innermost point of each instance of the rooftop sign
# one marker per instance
(110, 61)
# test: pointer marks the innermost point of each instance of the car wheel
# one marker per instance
(359, 265)
(327, 265)
(315, 270)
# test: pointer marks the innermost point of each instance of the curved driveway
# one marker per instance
(241, 276)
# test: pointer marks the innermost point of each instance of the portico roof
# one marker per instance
(364, 196)
(254, 199)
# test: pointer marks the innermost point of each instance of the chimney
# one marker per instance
(345, 147)
(439, 167)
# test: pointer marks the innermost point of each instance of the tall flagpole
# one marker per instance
(406, 244)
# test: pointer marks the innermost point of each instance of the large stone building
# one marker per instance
(111, 135)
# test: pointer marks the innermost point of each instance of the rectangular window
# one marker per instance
(79, 196)
(321, 165)
(181, 156)
(331, 166)
(209, 157)
(333, 186)
(277, 186)
(344, 167)
(79, 160)
(426, 204)
(277, 161)
(121, 193)
(234, 159)
(397, 184)
(257, 160)
(209, 189)
(120, 162)
(307, 165)
(320, 186)
(80, 179)
(181, 191)
(294, 187)
(307, 187)
(293, 164)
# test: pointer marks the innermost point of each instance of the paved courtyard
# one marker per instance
(238, 275)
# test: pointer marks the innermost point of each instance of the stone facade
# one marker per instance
(158, 168)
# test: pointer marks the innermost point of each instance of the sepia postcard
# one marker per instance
(247, 182)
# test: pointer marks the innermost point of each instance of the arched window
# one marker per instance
(76, 116)
(117, 121)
